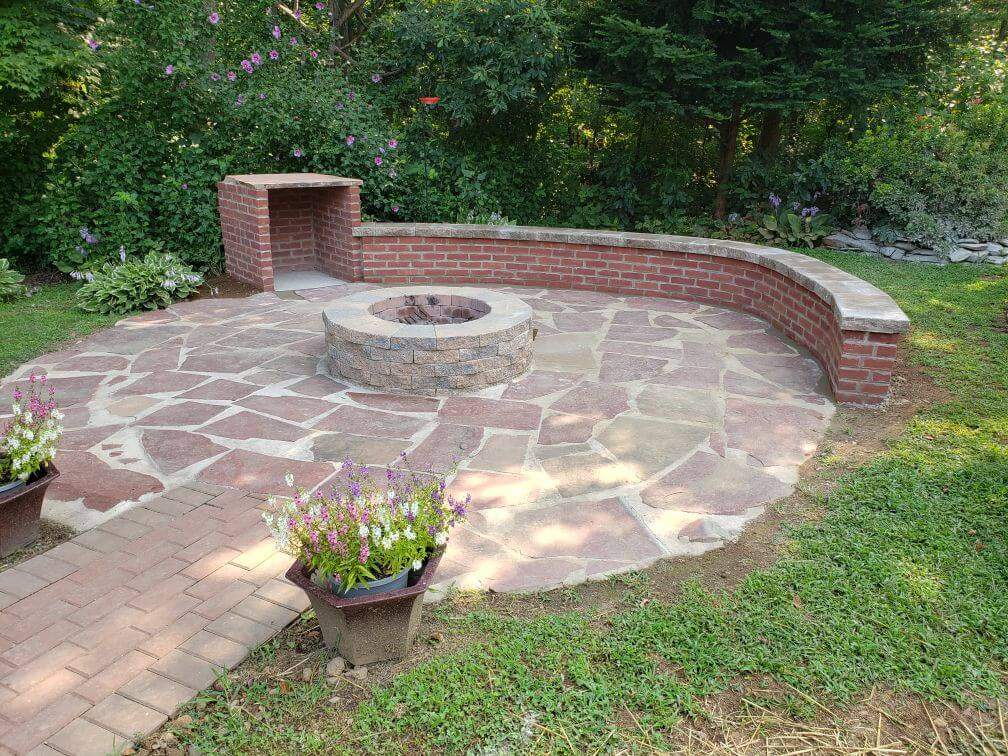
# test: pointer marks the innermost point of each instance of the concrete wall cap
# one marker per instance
(291, 180)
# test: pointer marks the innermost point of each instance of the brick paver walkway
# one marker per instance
(104, 636)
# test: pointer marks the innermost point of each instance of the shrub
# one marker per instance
(931, 177)
(139, 284)
(10, 282)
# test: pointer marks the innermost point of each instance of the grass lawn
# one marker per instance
(890, 585)
(38, 324)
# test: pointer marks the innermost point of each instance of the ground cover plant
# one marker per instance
(893, 578)
(37, 324)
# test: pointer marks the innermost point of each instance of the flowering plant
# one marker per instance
(362, 528)
(797, 226)
(30, 436)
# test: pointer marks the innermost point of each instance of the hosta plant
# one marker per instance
(797, 227)
(361, 528)
(150, 283)
(29, 439)
(11, 286)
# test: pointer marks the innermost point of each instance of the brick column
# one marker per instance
(337, 250)
(245, 231)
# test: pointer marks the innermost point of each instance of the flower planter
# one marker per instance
(373, 627)
(20, 509)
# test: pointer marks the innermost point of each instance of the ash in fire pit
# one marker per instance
(430, 309)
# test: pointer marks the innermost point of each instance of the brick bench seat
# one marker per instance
(850, 326)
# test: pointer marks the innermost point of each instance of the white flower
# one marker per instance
(376, 532)
(289, 480)
(410, 535)
(363, 532)
(16, 409)
(391, 494)
(386, 543)
(417, 564)
(441, 537)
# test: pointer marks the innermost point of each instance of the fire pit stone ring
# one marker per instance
(432, 340)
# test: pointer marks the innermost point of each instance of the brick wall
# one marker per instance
(292, 229)
(245, 232)
(859, 363)
(337, 212)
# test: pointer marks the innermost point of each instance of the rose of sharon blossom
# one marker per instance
(215, 76)
(297, 152)
(376, 78)
(232, 75)
(169, 69)
(214, 18)
(350, 140)
(276, 32)
(377, 160)
(247, 66)
(274, 55)
(393, 144)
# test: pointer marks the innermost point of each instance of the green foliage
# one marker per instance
(486, 60)
(932, 177)
(138, 284)
(11, 282)
(793, 228)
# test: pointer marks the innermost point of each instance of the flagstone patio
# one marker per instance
(645, 428)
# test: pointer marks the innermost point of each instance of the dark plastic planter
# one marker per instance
(20, 510)
(371, 628)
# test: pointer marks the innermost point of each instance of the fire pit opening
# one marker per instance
(430, 309)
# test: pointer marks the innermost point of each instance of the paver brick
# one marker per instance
(253, 557)
(216, 581)
(125, 528)
(281, 592)
(47, 567)
(157, 574)
(19, 583)
(241, 629)
(200, 548)
(157, 692)
(40, 642)
(187, 669)
(216, 649)
(166, 613)
(23, 706)
(125, 717)
(107, 651)
(265, 612)
(189, 496)
(168, 506)
(116, 674)
(53, 717)
(225, 599)
(168, 588)
(25, 676)
(100, 540)
(172, 636)
(108, 626)
(84, 738)
(211, 562)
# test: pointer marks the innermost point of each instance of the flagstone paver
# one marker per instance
(645, 428)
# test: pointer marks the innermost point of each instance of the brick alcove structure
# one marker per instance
(850, 326)
(272, 223)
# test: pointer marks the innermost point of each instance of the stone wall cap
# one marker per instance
(291, 180)
(858, 305)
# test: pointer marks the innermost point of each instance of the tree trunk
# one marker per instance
(728, 131)
(768, 143)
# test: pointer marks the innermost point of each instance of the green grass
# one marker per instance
(40, 323)
(902, 583)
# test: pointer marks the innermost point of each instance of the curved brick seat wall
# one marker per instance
(852, 327)
(300, 221)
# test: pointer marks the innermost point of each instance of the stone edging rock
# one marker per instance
(861, 239)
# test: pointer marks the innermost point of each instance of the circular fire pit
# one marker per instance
(428, 339)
